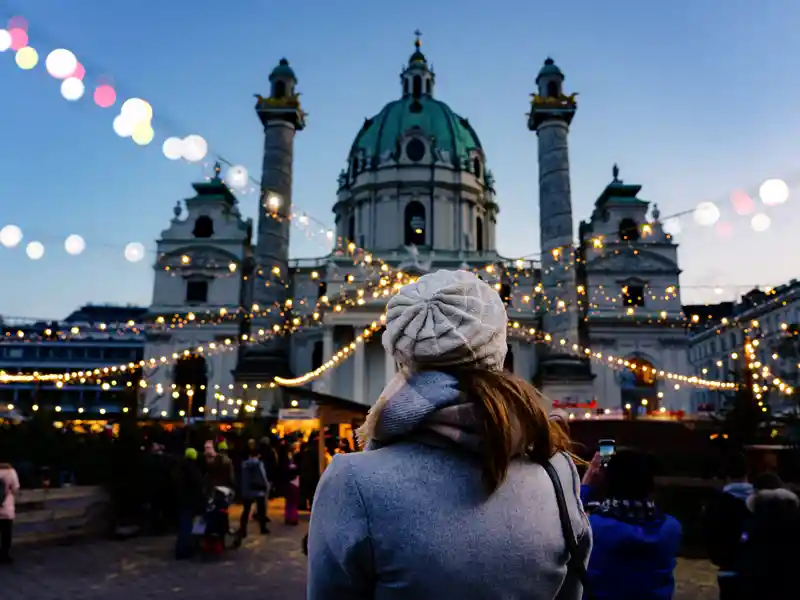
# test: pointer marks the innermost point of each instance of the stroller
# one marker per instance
(216, 521)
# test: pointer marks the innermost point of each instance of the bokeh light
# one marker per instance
(760, 222)
(19, 38)
(27, 58)
(142, 134)
(773, 192)
(134, 252)
(237, 177)
(5, 40)
(706, 214)
(10, 236)
(742, 203)
(136, 110)
(105, 96)
(35, 250)
(74, 244)
(273, 202)
(79, 72)
(195, 148)
(61, 63)
(173, 148)
(122, 126)
(72, 89)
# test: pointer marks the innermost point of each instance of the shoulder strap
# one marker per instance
(575, 564)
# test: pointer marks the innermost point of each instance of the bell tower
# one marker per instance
(418, 78)
(562, 375)
(282, 117)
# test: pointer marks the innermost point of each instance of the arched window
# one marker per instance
(316, 356)
(476, 167)
(203, 227)
(279, 89)
(427, 86)
(351, 228)
(552, 89)
(322, 289)
(508, 365)
(417, 86)
(479, 234)
(190, 376)
(355, 165)
(415, 224)
(628, 230)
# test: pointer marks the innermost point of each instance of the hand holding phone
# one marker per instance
(607, 449)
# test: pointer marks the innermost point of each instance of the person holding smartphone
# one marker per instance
(635, 544)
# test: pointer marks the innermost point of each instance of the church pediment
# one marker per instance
(630, 261)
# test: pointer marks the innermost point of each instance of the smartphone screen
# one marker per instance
(607, 449)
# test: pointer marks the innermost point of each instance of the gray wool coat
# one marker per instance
(413, 521)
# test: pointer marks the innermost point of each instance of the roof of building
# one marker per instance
(549, 68)
(106, 313)
(282, 70)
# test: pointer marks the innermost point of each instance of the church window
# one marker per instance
(355, 165)
(505, 293)
(633, 295)
(316, 356)
(508, 364)
(322, 289)
(279, 89)
(351, 228)
(476, 167)
(405, 87)
(628, 230)
(415, 150)
(552, 89)
(417, 90)
(203, 227)
(415, 224)
(479, 234)
(196, 291)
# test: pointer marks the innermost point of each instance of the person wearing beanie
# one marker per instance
(455, 496)
(191, 500)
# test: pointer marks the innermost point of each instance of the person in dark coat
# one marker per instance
(191, 500)
(771, 550)
(726, 518)
(269, 458)
(309, 472)
(218, 468)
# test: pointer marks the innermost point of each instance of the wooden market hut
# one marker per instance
(332, 410)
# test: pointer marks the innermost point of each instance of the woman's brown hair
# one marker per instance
(514, 421)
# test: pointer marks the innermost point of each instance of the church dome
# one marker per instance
(417, 114)
(431, 118)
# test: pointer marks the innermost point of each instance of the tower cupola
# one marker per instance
(282, 81)
(418, 78)
(550, 80)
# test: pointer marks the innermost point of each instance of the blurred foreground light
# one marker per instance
(706, 214)
(173, 148)
(195, 148)
(10, 236)
(61, 63)
(35, 250)
(72, 89)
(27, 58)
(134, 252)
(773, 192)
(74, 244)
(760, 222)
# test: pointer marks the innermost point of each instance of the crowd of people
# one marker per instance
(467, 488)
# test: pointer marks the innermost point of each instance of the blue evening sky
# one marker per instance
(693, 98)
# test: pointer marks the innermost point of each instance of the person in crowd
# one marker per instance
(291, 489)
(218, 468)
(161, 492)
(255, 490)
(9, 489)
(635, 545)
(344, 446)
(269, 458)
(460, 491)
(191, 502)
(308, 461)
(726, 517)
(771, 544)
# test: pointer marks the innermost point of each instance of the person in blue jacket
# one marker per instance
(635, 544)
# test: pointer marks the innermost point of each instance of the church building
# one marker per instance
(416, 195)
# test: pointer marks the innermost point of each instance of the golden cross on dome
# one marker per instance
(418, 41)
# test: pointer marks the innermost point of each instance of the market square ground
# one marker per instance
(265, 567)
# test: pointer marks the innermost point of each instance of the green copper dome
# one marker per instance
(549, 68)
(282, 70)
(431, 118)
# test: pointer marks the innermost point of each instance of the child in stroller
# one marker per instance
(217, 523)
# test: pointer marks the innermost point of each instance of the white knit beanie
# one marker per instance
(447, 318)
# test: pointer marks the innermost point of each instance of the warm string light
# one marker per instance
(338, 358)
(611, 361)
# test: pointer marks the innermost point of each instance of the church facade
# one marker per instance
(416, 195)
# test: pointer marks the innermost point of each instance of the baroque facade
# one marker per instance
(416, 195)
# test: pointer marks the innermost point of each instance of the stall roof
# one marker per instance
(332, 401)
